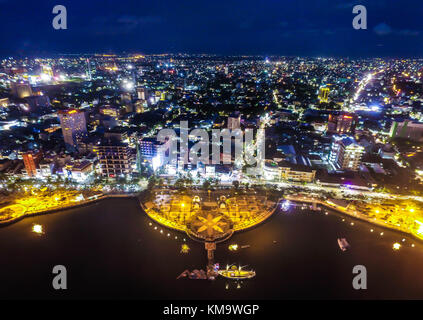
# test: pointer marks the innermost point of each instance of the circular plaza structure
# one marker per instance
(208, 216)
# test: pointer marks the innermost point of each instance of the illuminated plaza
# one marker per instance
(209, 216)
(241, 210)
(38, 201)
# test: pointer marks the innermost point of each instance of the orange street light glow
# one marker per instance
(396, 246)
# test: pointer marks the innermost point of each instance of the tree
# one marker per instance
(206, 184)
(179, 183)
(152, 182)
(160, 182)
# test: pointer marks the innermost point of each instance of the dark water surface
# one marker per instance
(111, 251)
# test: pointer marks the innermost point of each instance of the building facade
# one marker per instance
(324, 94)
(342, 123)
(115, 159)
(346, 154)
(407, 130)
(287, 171)
(31, 160)
(74, 126)
(21, 89)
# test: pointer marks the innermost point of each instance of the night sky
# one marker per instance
(265, 27)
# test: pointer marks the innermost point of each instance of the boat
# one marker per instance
(236, 273)
(235, 247)
(185, 248)
(343, 244)
(195, 274)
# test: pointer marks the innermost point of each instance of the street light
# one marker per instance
(128, 85)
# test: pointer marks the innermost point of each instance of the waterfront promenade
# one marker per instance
(417, 232)
(25, 212)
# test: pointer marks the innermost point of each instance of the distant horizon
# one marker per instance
(245, 55)
(302, 28)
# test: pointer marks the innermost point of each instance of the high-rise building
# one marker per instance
(142, 93)
(31, 160)
(115, 158)
(149, 147)
(74, 126)
(407, 130)
(89, 76)
(324, 94)
(346, 153)
(342, 123)
(21, 89)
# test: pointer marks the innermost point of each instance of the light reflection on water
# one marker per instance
(113, 250)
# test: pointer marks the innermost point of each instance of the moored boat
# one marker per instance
(237, 273)
(343, 244)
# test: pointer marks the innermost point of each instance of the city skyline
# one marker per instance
(285, 163)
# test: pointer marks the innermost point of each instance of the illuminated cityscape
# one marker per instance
(237, 169)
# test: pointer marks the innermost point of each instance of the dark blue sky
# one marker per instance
(281, 27)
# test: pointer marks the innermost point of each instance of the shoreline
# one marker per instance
(358, 216)
(58, 209)
(263, 219)
(334, 207)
